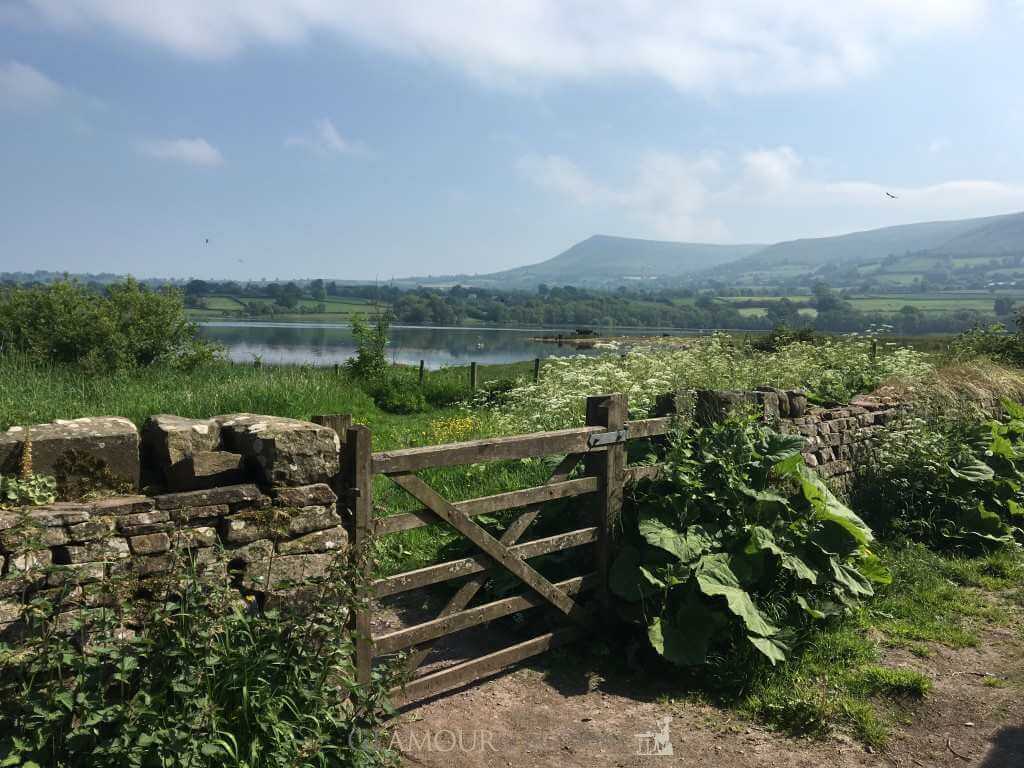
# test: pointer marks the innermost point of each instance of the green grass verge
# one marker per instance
(839, 680)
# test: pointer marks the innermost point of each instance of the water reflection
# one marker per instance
(327, 343)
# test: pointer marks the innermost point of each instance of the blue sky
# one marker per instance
(329, 138)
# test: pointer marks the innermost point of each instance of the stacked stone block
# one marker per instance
(240, 497)
(261, 542)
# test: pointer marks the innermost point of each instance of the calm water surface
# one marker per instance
(327, 343)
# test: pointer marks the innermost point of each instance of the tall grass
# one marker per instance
(34, 392)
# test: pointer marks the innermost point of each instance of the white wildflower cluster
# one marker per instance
(832, 368)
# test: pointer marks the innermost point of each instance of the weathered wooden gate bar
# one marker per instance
(493, 449)
(435, 574)
(465, 619)
(475, 669)
(486, 505)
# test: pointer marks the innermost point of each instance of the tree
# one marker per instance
(1003, 306)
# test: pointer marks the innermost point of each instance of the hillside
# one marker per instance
(977, 251)
(603, 260)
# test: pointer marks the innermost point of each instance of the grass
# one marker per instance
(33, 393)
(839, 679)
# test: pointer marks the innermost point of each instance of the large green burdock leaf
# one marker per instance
(799, 568)
(761, 539)
(789, 467)
(821, 609)
(851, 579)
(770, 647)
(628, 579)
(827, 507)
(780, 448)
(686, 546)
(973, 471)
(716, 579)
(765, 502)
(871, 566)
(684, 637)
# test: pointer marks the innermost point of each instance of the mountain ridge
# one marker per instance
(607, 260)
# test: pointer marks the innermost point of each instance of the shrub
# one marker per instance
(370, 362)
(444, 391)
(126, 326)
(992, 342)
(946, 484)
(395, 396)
(737, 547)
(205, 680)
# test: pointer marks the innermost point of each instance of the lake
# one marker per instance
(327, 343)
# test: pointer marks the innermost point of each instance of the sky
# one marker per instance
(339, 139)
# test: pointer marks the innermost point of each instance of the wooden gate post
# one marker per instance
(359, 474)
(339, 422)
(536, 370)
(611, 412)
(472, 376)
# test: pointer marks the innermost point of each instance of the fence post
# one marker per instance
(421, 373)
(358, 468)
(337, 368)
(339, 422)
(611, 412)
(536, 370)
(472, 376)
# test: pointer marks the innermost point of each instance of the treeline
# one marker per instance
(583, 307)
(667, 309)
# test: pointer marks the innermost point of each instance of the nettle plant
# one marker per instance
(738, 542)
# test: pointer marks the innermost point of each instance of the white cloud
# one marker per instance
(669, 194)
(938, 145)
(326, 139)
(196, 151)
(761, 196)
(24, 87)
(699, 45)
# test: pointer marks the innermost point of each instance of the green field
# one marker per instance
(224, 307)
(932, 303)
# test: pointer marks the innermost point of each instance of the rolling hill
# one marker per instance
(976, 250)
(904, 249)
(603, 260)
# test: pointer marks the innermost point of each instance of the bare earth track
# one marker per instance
(544, 715)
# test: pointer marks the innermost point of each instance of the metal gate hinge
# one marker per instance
(608, 438)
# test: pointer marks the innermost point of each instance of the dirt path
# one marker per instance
(543, 715)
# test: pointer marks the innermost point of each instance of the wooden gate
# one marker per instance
(601, 446)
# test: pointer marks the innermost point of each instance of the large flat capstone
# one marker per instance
(168, 440)
(80, 453)
(283, 451)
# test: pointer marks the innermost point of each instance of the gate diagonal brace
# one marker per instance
(511, 536)
(492, 547)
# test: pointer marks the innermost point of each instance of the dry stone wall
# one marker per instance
(835, 438)
(250, 498)
(242, 497)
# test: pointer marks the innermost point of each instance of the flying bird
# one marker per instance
(888, 194)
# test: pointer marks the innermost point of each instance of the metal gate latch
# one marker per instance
(608, 438)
